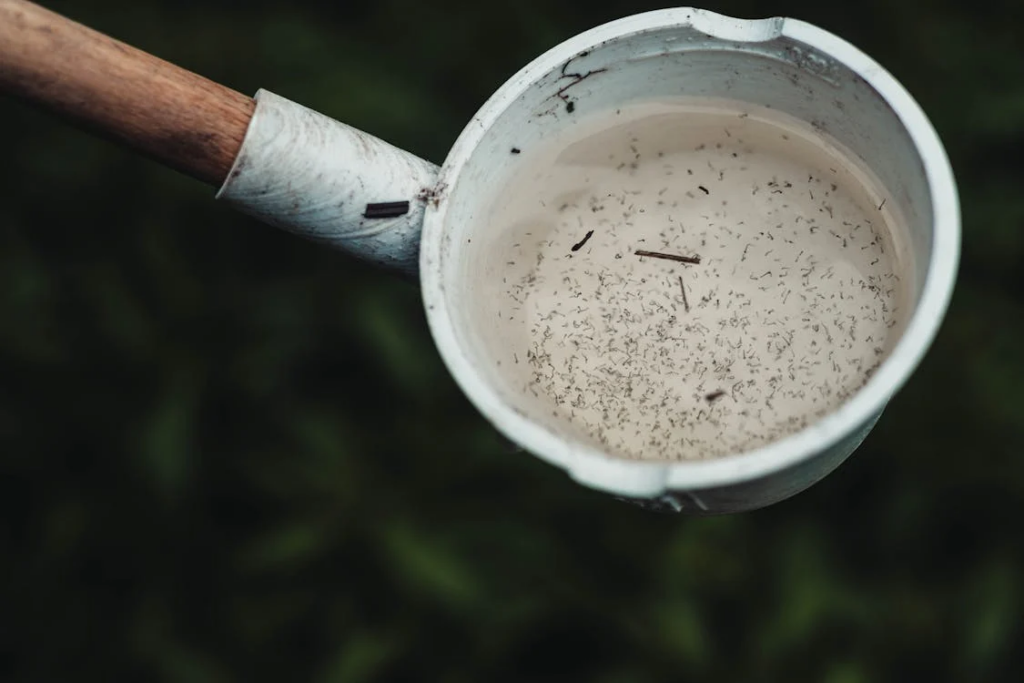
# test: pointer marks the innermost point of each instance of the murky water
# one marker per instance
(795, 301)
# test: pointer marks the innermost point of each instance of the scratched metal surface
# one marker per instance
(322, 180)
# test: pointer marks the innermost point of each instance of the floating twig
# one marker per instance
(669, 257)
(682, 288)
(714, 396)
(579, 245)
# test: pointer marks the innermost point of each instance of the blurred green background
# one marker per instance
(228, 455)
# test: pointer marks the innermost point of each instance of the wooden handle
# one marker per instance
(174, 116)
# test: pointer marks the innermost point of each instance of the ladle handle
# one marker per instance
(171, 115)
(271, 158)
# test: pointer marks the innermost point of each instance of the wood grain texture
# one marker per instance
(172, 115)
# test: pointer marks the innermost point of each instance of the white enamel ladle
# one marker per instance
(309, 174)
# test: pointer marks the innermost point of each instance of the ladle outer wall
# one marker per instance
(788, 65)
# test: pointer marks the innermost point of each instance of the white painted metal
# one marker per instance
(783, 63)
(309, 174)
(786, 64)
